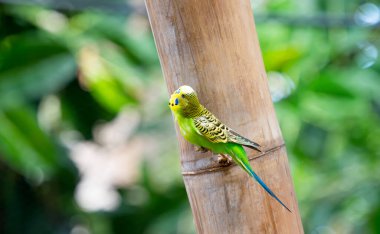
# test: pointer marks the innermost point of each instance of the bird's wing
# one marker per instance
(215, 131)
(237, 138)
(210, 127)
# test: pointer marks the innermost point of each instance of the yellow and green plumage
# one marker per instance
(201, 128)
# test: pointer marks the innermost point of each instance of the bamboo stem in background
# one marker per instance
(212, 46)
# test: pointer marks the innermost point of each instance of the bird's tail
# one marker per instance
(239, 155)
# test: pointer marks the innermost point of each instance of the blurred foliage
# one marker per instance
(66, 74)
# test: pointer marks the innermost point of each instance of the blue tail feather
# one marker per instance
(239, 155)
(259, 180)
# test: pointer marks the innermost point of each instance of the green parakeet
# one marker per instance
(201, 128)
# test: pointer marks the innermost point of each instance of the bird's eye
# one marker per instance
(183, 95)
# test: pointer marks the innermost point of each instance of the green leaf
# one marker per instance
(32, 67)
(24, 146)
(109, 84)
(331, 85)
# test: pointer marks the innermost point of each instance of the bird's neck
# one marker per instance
(192, 111)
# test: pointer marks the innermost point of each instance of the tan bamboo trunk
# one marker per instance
(212, 46)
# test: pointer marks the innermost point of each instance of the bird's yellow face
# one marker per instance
(179, 100)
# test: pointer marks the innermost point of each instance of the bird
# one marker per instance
(202, 129)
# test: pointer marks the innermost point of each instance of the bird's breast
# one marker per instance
(188, 131)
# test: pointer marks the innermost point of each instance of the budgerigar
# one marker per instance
(201, 128)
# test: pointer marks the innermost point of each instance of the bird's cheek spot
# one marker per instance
(176, 101)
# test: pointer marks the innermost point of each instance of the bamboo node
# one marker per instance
(228, 164)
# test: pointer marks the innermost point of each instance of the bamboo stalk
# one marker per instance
(212, 46)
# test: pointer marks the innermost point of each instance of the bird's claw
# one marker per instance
(224, 160)
(201, 149)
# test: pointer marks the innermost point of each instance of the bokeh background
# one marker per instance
(87, 143)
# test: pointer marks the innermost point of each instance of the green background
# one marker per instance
(87, 143)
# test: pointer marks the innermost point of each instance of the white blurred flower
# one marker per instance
(113, 160)
(367, 56)
(49, 113)
(368, 14)
(79, 229)
(280, 86)
(115, 133)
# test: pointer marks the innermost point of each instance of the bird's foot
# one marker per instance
(201, 149)
(224, 160)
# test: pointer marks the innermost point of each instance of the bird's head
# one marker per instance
(184, 100)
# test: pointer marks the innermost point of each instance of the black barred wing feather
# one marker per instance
(211, 128)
